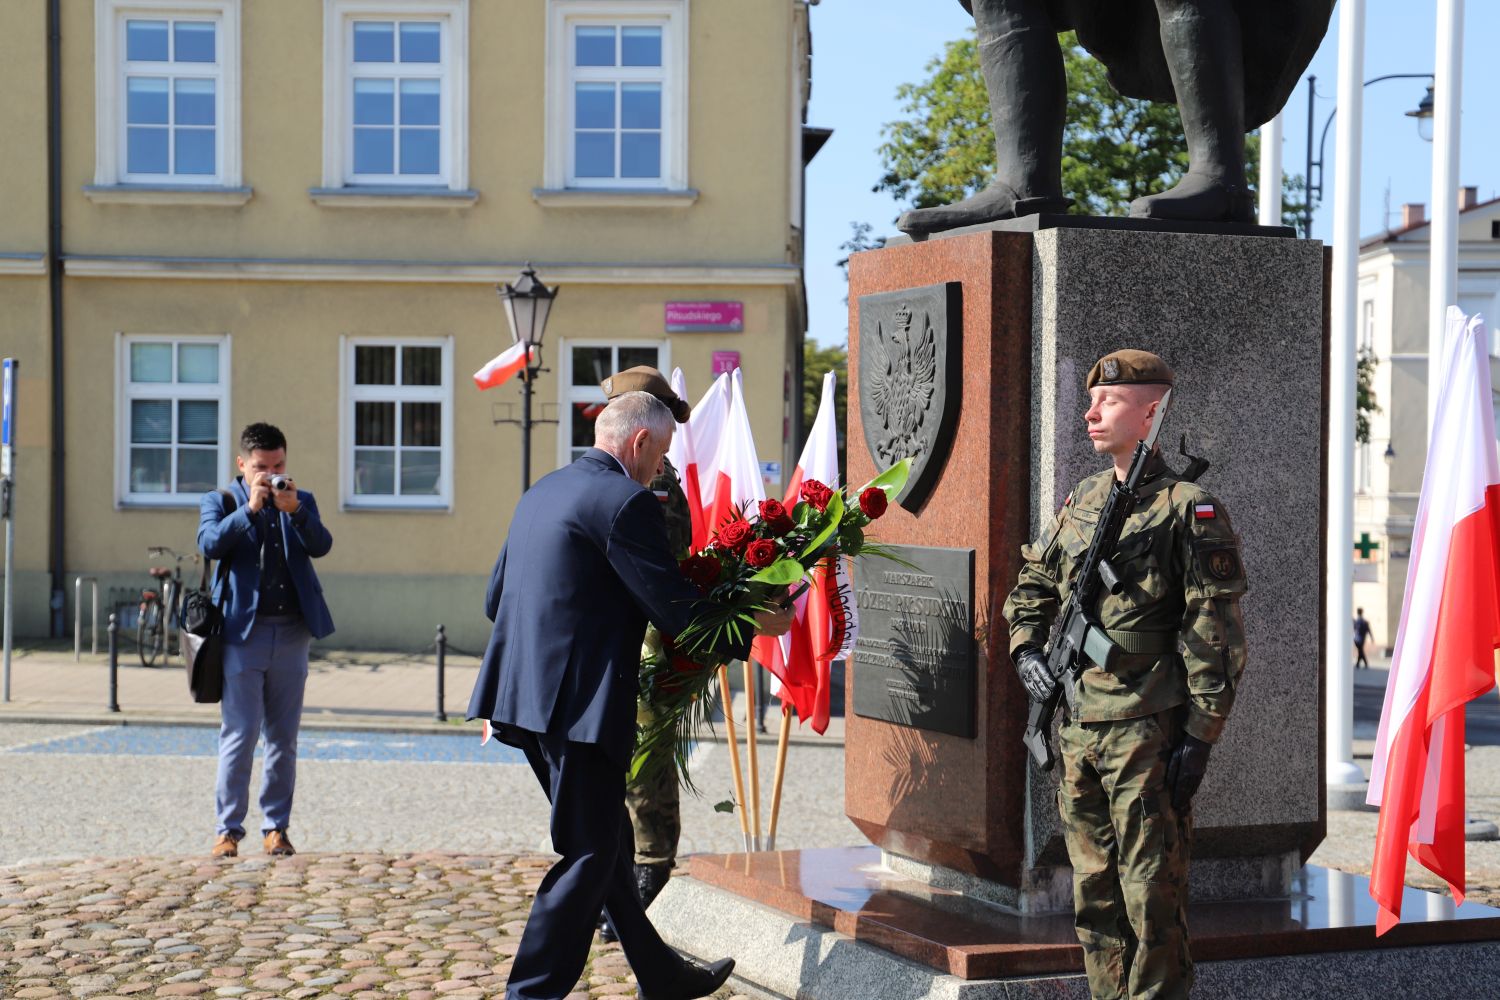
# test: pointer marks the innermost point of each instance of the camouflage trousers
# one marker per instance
(1129, 849)
(655, 813)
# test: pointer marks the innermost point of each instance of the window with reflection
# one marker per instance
(588, 364)
(398, 101)
(174, 426)
(170, 90)
(619, 84)
(400, 400)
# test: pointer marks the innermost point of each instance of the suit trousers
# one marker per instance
(591, 830)
(264, 680)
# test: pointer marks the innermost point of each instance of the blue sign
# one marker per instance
(8, 416)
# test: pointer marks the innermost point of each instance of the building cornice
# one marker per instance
(423, 272)
(22, 264)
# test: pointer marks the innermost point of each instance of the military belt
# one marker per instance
(1143, 642)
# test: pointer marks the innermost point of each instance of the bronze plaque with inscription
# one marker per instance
(914, 660)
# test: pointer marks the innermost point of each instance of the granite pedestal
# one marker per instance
(836, 925)
(1242, 319)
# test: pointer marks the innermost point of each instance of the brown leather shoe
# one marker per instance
(227, 845)
(277, 844)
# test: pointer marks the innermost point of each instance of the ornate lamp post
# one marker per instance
(527, 305)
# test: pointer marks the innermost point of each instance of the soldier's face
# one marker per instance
(1119, 416)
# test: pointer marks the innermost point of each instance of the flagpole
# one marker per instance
(734, 752)
(1270, 172)
(781, 742)
(750, 743)
(1338, 647)
(1442, 286)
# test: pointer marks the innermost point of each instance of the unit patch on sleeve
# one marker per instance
(1204, 512)
(1221, 564)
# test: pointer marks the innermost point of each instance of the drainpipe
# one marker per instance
(54, 289)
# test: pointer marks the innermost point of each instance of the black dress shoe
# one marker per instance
(695, 980)
(607, 930)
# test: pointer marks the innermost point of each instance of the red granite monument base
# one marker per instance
(846, 890)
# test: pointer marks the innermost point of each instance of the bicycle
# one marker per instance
(154, 629)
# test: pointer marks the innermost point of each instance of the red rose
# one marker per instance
(702, 569)
(774, 516)
(761, 553)
(816, 494)
(873, 502)
(735, 535)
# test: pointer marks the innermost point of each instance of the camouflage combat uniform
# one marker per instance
(653, 801)
(1178, 621)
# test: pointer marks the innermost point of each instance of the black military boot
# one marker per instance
(650, 880)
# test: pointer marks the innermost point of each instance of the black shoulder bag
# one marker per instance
(202, 630)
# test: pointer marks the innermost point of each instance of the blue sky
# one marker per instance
(864, 49)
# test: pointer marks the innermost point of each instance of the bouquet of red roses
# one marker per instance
(747, 567)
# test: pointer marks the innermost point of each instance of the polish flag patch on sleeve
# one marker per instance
(1204, 512)
(662, 495)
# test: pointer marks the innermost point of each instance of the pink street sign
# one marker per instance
(725, 361)
(705, 317)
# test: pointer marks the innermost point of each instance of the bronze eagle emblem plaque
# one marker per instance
(909, 380)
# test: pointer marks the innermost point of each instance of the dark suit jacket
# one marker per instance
(586, 564)
(238, 539)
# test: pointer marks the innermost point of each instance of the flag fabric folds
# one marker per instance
(500, 368)
(1450, 628)
(736, 473)
(695, 449)
(800, 660)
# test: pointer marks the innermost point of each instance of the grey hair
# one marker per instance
(628, 413)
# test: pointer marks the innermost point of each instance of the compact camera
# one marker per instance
(279, 482)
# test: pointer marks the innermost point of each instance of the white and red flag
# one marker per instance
(1450, 628)
(695, 449)
(824, 626)
(738, 486)
(505, 364)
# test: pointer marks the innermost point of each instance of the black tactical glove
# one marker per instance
(1031, 665)
(1186, 769)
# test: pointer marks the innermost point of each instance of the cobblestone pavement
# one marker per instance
(362, 926)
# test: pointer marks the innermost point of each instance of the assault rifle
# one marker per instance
(1077, 638)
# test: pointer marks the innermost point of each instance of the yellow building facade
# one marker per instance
(298, 211)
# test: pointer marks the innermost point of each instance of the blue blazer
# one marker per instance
(237, 538)
(585, 565)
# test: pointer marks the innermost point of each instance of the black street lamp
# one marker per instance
(527, 305)
(1423, 114)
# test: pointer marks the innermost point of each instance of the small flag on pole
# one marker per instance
(500, 368)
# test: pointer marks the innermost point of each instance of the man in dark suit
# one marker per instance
(586, 564)
(269, 532)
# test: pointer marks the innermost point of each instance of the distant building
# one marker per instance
(1392, 302)
(298, 211)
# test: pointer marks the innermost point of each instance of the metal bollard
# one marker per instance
(114, 663)
(442, 663)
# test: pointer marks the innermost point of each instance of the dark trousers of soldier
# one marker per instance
(1129, 849)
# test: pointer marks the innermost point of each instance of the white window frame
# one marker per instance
(126, 391)
(109, 90)
(349, 394)
(562, 17)
(568, 393)
(338, 90)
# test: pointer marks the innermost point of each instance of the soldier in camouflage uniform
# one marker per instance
(655, 813)
(1138, 747)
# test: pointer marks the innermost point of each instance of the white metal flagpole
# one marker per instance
(1339, 641)
(1447, 99)
(1270, 172)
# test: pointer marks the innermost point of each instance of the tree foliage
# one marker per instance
(1364, 394)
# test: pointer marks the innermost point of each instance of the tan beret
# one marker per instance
(1130, 367)
(644, 378)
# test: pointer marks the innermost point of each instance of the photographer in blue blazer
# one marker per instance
(269, 532)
